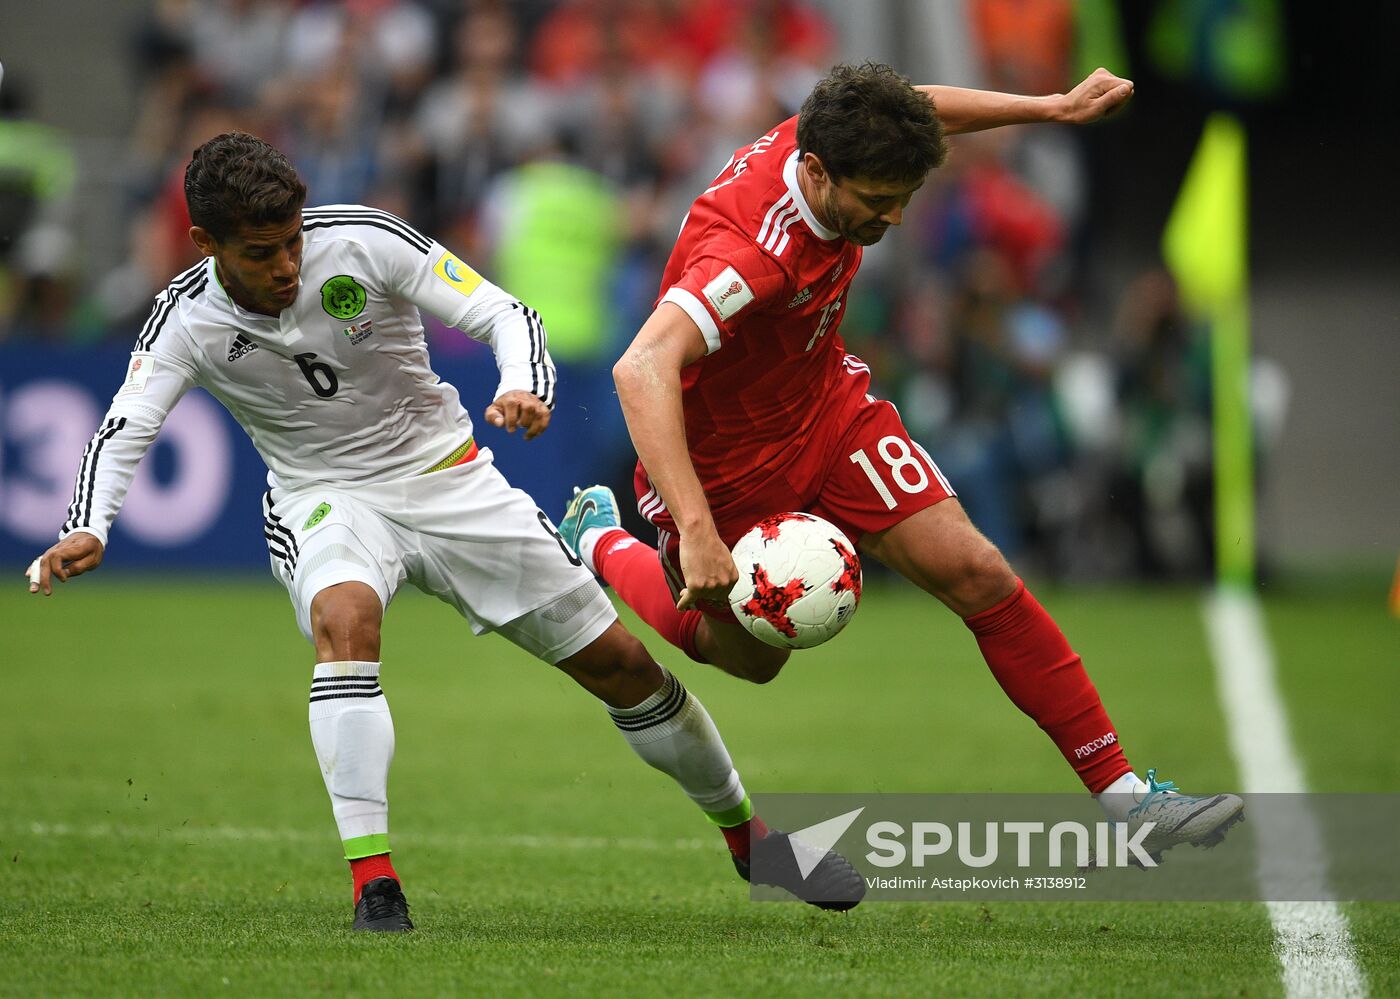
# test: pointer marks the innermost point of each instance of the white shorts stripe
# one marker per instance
(933, 467)
(663, 543)
(651, 504)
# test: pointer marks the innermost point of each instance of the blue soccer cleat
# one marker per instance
(593, 507)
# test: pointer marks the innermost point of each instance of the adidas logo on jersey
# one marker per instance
(801, 298)
(241, 347)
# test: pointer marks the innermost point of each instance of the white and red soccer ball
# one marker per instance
(799, 580)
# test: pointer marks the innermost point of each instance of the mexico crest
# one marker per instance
(343, 297)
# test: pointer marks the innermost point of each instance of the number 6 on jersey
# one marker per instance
(318, 374)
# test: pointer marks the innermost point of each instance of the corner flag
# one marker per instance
(1206, 245)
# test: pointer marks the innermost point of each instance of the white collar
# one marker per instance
(238, 311)
(286, 320)
(795, 189)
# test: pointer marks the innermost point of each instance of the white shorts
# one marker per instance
(464, 535)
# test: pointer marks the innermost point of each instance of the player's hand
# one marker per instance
(518, 408)
(76, 554)
(1100, 95)
(708, 568)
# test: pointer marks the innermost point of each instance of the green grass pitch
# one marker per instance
(165, 831)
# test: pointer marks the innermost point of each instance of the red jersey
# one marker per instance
(765, 281)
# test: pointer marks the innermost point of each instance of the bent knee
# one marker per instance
(978, 578)
(632, 662)
(345, 620)
(616, 668)
(761, 665)
(765, 672)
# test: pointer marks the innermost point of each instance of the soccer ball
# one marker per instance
(799, 580)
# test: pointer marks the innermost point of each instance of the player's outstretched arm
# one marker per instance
(514, 332)
(648, 379)
(518, 408)
(76, 554)
(961, 110)
(153, 385)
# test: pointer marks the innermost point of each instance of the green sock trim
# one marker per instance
(731, 817)
(366, 846)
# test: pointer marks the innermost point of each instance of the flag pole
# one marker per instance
(1206, 245)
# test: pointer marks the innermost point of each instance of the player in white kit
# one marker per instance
(305, 325)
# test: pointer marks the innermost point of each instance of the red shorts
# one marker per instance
(859, 469)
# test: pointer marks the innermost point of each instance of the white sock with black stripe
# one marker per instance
(673, 732)
(353, 734)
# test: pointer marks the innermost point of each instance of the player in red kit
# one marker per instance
(742, 402)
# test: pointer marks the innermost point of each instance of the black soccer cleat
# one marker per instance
(833, 884)
(382, 908)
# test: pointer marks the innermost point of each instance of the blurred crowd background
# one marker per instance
(1020, 318)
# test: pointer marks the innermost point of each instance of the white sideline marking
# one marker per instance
(188, 834)
(1311, 939)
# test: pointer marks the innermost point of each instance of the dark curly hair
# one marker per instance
(868, 121)
(237, 179)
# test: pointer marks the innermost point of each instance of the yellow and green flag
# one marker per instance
(1206, 245)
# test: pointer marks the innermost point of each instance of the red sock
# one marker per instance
(1044, 677)
(634, 571)
(365, 869)
(739, 837)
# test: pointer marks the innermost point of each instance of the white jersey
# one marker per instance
(337, 389)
